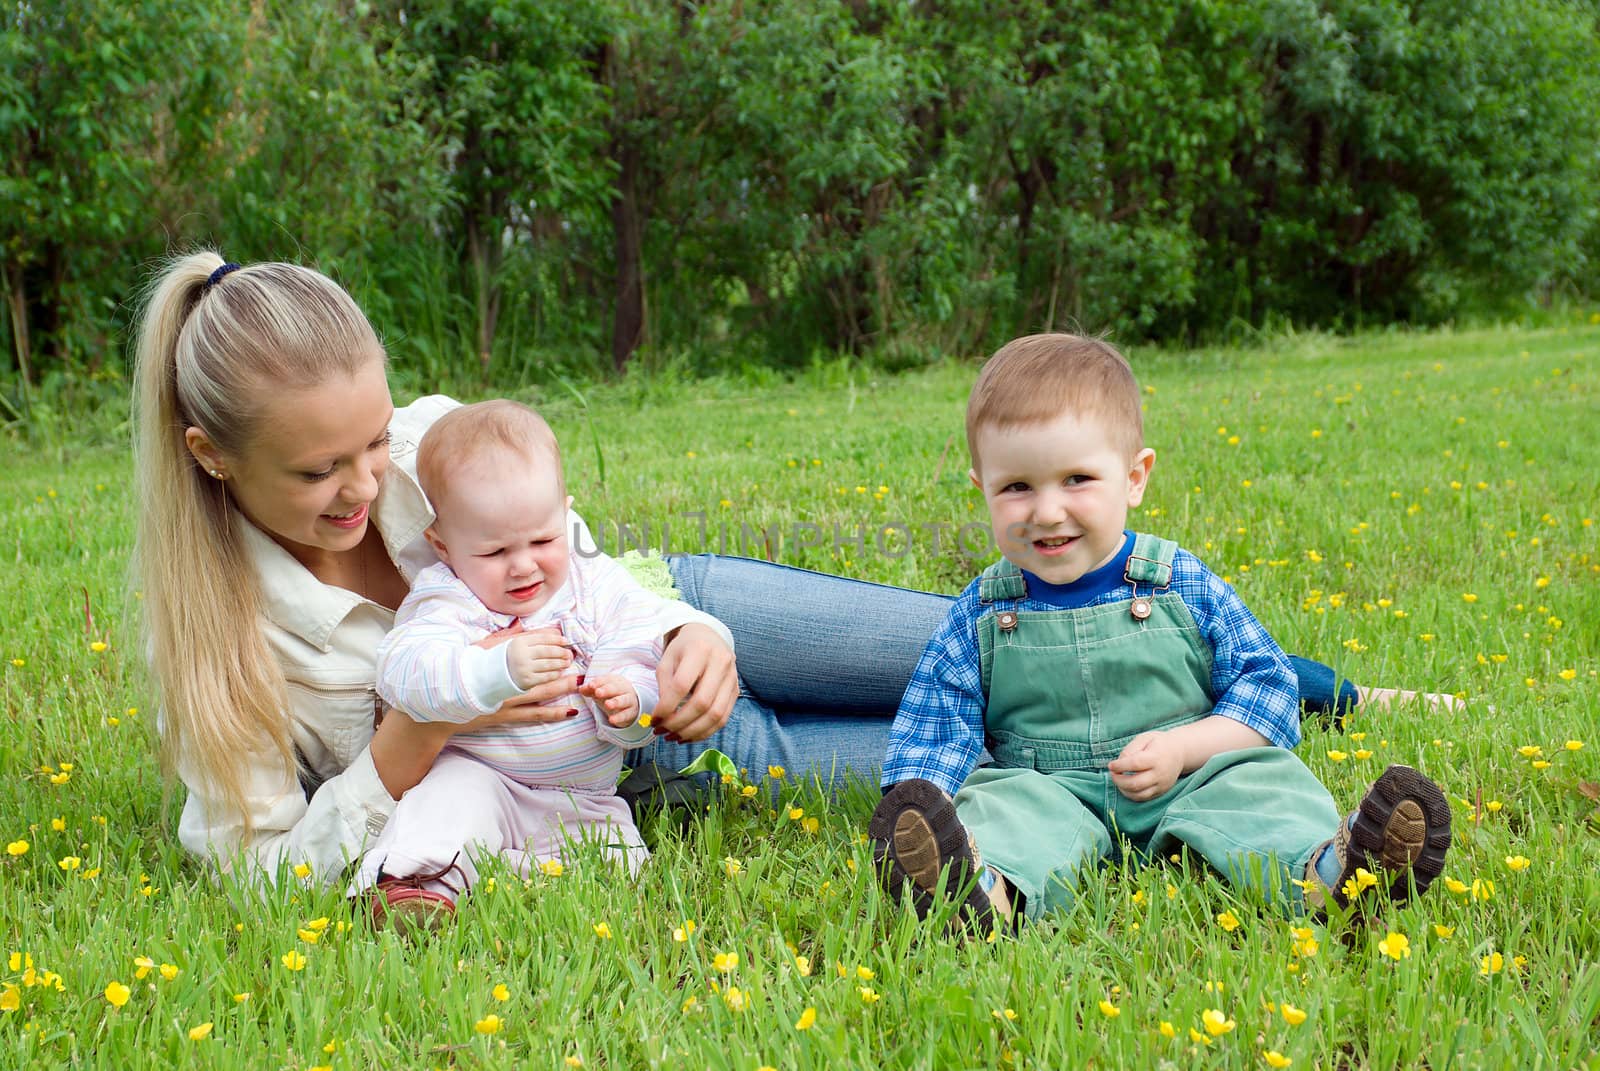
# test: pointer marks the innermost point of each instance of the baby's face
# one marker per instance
(1059, 494)
(502, 527)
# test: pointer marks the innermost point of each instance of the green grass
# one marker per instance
(1374, 486)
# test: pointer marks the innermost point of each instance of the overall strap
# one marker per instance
(1002, 580)
(1151, 561)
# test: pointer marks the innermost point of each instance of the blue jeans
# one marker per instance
(823, 661)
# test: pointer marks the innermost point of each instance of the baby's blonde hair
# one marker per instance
(1037, 378)
(466, 433)
(211, 351)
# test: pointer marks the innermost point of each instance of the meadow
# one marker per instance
(1417, 509)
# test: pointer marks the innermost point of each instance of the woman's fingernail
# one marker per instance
(580, 680)
(572, 712)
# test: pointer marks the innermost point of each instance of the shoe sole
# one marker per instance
(412, 914)
(917, 840)
(1402, 831)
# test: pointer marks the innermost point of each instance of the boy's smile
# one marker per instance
(1058, 493)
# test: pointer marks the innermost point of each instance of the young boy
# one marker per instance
(502, 533)
(1121, 688)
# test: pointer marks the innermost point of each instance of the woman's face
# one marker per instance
(314, 466)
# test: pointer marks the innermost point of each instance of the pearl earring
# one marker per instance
(215, 474)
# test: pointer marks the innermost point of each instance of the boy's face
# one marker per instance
(502, 527)
(1059, 493)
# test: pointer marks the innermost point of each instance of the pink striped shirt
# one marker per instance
(428, 668)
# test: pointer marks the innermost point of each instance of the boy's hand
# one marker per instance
(537, 657)
(615, 696)
(1148, 766)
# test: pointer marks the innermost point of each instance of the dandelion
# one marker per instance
(1228, 921)
(1215, 1022)
(489, 1024)
(1109, 1010)
(602, 931)
(1274, 1058)
(807, 1020)
(1292, 1015)
(725, 961)
(552, 868)
(17, 847)
(1517, 862)
(200, 1033)
(500, 993)
(117, 994)
(868, 994)
(1396, 946)
(293, 960)
(1493, 963)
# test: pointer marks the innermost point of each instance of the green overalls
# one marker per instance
(1067, 690)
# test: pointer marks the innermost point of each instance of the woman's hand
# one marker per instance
(698, 685)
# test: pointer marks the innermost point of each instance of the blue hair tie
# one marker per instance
(216, 277)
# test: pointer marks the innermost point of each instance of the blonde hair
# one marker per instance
(210, 351)
(467, 432)
(1037, 378)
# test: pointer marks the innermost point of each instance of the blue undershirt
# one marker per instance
(1088, 587)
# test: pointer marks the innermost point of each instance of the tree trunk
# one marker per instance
(17, 306)
(627, 223)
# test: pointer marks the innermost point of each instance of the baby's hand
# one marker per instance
(537, 657)
(615, 696)
(1148, 766)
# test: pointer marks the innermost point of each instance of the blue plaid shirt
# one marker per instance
(938, 732)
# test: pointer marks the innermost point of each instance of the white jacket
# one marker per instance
(326, 639)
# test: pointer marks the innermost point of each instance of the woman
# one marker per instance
(280, 523)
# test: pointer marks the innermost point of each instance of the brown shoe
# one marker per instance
(405, 904)
(921, 847)
(1400, 836)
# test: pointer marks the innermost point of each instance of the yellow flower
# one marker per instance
(1493, 963)
(803, 965)
(796, 813)
(117, 994)
(70, 862)
(645, 720)
(17, 847)
(97, 646)
(169, 971)
(732, 866)
(602, 931)
(725, 961)
(240, 998)
(58, 824)
(1541, 764)
(318, 925)
(1396, 946)
(1455, 886)
(1518, 862)
(1363, 880)
(866, 974)
(811, 825)
(1109, 1010)
(1362, 754)
(500, 992)
(143, 965)
(1469, 597)
(807, 1020)
(1444, 933)
(1275, 1058)
(1215, 1022)
(293, 960)
(1292, 1015)
(1574, 745)
(1228, 921)
(199, 1033)
(1337, 755)
(310, 937)
(681, 934)
(1530, 751)
(19, 662)
(302, 871)
(1482, 889)
(552, 868)
(1004, 1013)
(489, 1024)
(736, 999)
(747, 791)
(776, 772)
(573, 1061)
(1166, 1029)
(868, 994)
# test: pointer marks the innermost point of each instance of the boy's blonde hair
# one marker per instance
(210, 353)
(465, 433)
(1037, 378)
